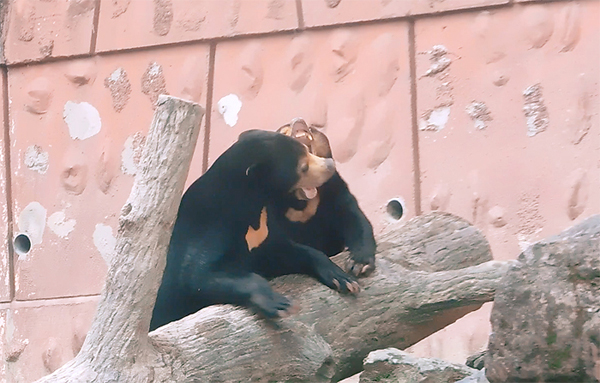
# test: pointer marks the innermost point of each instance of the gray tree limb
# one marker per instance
(430, 271)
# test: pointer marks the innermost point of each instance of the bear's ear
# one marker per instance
(285, 130)
(320, 144)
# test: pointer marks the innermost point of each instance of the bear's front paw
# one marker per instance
(271, 304)
(360, 268)
(335, 278)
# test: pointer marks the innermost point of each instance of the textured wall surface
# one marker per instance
(488, 109)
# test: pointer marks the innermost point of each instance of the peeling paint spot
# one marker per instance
(435, 120)
(52, 355)
(119, 7)
(81, 72)
(105, 241)
(83, 120)
(234, 13)
(439, 60)
(538, 21)
(332, 3)
(80, 7)
(193, 20)
(500, 79)
(582, 120)
(229, 107)
(578, 193)
(191, 80)
(571, 27)
(301, 62)
(479, 113)
(345, 48)
(252, 71)
(535, 110)
(36, 159)
(46, 47)
(74, 178)
(39, 94)
(120, 88)
(32, 221)
(276, 9)
(132, 153)
(531, 221)
(163, 16)
(440, 198)
(60, 226)
(496, 216)
(153, 82)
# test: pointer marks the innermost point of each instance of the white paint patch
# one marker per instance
(436, 119)
(132, 153)
(229, 107)
(439, 60)
(535, 110)
(116, 75)
(82, 119)
(36, 159)
(105, 241)
(479, 113)
(60, 226)
(32, 221)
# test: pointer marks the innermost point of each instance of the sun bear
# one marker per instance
(235, 228)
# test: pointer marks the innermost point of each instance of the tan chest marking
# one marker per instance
(303, 215)
(254, 237)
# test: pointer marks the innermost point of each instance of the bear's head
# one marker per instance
(282, 164)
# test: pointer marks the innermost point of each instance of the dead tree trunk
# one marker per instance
(430, 272)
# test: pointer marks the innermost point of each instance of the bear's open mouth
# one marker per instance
(306, 193)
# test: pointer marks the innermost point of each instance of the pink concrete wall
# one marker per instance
(484, 108)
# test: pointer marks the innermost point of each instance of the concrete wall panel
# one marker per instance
(39, 337)
(508, 119)
(331, 79)
(39, 29)
(137, 23)
(327, 12)
(77, 128)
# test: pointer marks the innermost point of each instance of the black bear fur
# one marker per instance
(232, 231)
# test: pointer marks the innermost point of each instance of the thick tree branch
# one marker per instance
(332, 333)
(430, 272)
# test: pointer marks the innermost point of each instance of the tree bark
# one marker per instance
(430, 271)
(116, 348)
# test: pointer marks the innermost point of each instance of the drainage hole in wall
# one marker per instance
(395, 208)
(22, 244)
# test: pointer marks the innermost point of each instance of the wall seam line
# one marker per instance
(412, 54)
(95, 24)
(300, 12)
(209, 101)
(8, 181)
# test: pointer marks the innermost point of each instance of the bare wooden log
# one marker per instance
(446, 274)
(328, 339)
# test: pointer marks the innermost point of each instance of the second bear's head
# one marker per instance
(282, 164)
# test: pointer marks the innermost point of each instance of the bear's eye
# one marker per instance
(304, 168)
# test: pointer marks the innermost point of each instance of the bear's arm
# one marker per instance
(283, 256)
